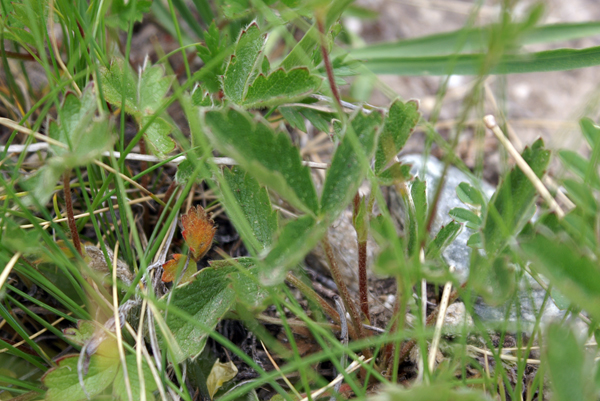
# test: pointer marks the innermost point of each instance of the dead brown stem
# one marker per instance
(70, 214)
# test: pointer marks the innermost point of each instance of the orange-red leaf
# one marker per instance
(170, 268)
(199, 231)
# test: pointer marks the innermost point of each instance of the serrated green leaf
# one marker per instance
(470, 195)
(346, 172)
(122, 12)
(465, 216)
(143, 94)
(268, 156)
(216, 48)
(512, 200)
(157, 136)
(119, 387)
(243, 63)
(207, 298)
(281, 87)
(397, 172)
(570, 371)
(255, 204)
(580, 166)
(444, 237)
(63, 381)
(399, 125)
(573, 273)
(293, 117)
(297, 238)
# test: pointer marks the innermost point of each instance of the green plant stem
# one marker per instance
(344, 294)
(70, 215)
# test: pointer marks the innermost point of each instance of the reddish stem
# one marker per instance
(70, 215)
(344, 293)
(362, 278)
(327, 63)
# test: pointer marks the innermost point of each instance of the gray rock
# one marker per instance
(530, 294)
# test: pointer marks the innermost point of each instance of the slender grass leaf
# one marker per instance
(346, 172)
(63, 381)
(281, 87)
(472, 40)
(207, 298)
(574, 274)
(297, 238)
(255, 204)
(514, 197)
(570, 371)
(268, 156)
(243, 63)
(399, 125)
(471, 64)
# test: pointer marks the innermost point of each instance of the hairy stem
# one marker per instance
(344, 294)
(327, 62)
(70, 215)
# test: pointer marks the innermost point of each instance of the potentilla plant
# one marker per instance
(190, 208)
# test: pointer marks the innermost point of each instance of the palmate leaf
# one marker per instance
(281, 87)
(244, 61)
(143, 94)
(268, 156)
(346, 172)
(207, 298)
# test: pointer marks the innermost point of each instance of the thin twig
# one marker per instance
(327, 62)
(353, 366)
(285, 379)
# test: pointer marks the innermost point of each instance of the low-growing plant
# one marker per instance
(133, 294)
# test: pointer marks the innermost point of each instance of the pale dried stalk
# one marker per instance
(490, 123)
(439, 323)
(118, 323)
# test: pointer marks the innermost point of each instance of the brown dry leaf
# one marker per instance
(219, 374)
(170, 268)
(199, 231)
